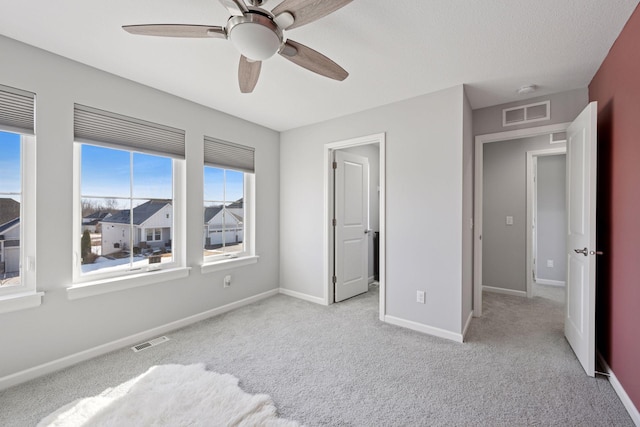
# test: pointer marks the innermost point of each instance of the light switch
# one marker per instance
(509, 220)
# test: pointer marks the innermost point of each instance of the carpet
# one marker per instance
(171, 395)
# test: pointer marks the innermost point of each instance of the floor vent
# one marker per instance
(150, 343)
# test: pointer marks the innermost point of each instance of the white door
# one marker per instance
(579, 321)
(351, 225)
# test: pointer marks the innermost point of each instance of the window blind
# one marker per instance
(93, 125)
(227, 155)
(17, 110)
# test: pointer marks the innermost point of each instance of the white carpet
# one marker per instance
(172, 395)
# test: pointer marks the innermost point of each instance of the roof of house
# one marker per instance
(98, 215)
(238, 204)
(9, 224)
(96, 218)
(140, 213)
(9, 210)
(211, 211)
(237, 217)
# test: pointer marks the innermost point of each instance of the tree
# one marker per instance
(85, 246)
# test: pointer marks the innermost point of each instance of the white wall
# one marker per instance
(161, 219)
(467, 212)
(424, 163)
(60, 327)
(113, 234)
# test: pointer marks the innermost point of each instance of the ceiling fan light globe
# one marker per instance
(254, 41)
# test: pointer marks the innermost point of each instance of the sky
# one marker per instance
(10, 167)
(9, 163)
(106, 173)
(214, 190)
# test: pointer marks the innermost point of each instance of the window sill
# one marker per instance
(99, 287)
(226, 264)
(20, 301)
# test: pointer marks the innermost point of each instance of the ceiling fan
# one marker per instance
(259, 34)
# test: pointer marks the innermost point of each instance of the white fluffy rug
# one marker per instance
(172, 395)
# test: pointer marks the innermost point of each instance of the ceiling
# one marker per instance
(393, 50)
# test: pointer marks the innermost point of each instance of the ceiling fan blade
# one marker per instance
(248, 73)
(235, 7)
(313, 61)
(177, 30)
(306, 11)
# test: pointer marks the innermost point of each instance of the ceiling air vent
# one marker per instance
(150, 343)
(526, 113)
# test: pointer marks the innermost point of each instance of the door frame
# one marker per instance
(532, 205)
(329, 148)
(480, 140)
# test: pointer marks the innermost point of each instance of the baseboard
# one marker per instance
(64, 362)
(550, 282)
(425, 329)
(504, 291)
(466, 325)
(372, 279)
(622, 394)
(302, 296)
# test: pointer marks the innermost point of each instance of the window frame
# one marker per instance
(247, 255)
(104, 279)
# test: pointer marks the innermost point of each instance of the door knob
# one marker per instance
(586, 252)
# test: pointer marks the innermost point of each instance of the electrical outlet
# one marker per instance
(509, 220)
(420, 297)
(227, 281)
(550, 263)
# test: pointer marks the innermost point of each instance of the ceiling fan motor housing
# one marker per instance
(255, 35)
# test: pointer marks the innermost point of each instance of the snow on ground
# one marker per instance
(104, 264)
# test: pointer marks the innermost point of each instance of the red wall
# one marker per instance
(616, 87)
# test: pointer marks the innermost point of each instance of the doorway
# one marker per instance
(372, 144)
(507, 221)
(508, 212)
(546, 221)
(581, 180)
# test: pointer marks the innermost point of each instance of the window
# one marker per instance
(228, 175)
(155, 233)
(127, 198)
(17, 193)
(223, 211)
(129, 190)
(10, 207)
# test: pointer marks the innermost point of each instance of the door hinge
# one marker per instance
(335, 165)
(334, 280)
(334, 222)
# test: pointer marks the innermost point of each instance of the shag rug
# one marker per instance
(172, 395)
